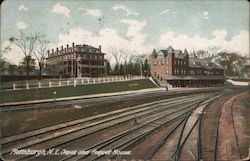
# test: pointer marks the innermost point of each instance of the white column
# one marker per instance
(68, 82)
(93, 80)
(39, 84)
(27, 86)
(59, 84)
(74, 82)
(99, 80)
(49, 84)
(88, 80)
(14, 86)
(82, 81)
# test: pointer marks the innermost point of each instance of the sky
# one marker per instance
(133, 26)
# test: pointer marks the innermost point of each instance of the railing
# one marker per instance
(68, 82)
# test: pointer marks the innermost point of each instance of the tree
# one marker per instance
(26, 42)
(40, 53)
(31, 66)
(12, 69)
(139, 59)
(116, 69)
(232, 62)
(116, 54)
(121, 69)
(3, 66)
(146, 68)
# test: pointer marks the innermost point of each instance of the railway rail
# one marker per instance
(126, 129)
(71, 132)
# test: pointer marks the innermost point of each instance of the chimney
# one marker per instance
(53, 52)
(100, 48)
(48, 54)
(61, 49)
(67, 48)
(56, 51)
(73, 46)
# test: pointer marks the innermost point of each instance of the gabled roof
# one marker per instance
(170, 49)
(179, 54)
(185, 52)
(154, 54)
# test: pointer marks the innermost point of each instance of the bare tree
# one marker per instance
(26, 42)
(40, 53)
(116, 53)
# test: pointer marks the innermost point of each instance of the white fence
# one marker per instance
(68, 82)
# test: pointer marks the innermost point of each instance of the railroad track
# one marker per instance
(182, 130)
(63, 134)
(209, 134)
(126, 144)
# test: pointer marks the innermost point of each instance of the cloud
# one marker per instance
(205, 14)
(92, 12)
(21, 25)
(164, 12)
(15, 55)
(239, 43)
(134, 29)
(124, 8)
(60, 9)
(22, 8)
(110, 38)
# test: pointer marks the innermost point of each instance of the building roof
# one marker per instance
(207, 77)
(195, 62)
(179, 54)
(87, 48)
(170, 49)
(154, 54)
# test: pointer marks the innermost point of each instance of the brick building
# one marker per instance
(77, 61)
(179, 69)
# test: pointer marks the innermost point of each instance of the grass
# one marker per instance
(69, 91)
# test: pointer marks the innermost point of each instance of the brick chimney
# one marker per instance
(73, 46)
(67, 48)
(100, 48)
(56, 51)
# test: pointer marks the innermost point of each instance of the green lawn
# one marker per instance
(68, 91)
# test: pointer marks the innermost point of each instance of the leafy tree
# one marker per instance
(232, 62)
(108, 67)
(121, 69)
(26, 42)
(28, 60)
(146, 68)
(116, 69)
(3, 66)
(12, 69)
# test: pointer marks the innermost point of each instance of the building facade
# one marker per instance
(178, 69)
(77, 61)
